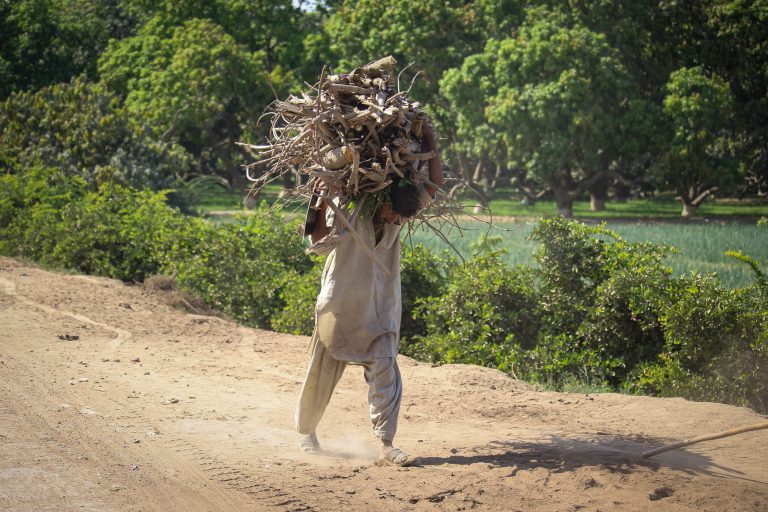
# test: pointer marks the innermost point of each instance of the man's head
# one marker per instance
(405, 198)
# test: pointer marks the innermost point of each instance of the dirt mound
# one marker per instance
(113, 399)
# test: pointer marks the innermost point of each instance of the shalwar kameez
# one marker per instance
(357, 321)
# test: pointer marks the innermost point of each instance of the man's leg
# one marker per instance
(323, 373)
(385, 391)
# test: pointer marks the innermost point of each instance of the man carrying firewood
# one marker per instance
(357, 315)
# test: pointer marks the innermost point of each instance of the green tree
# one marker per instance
(272, 28)
(555, 100)
(433, 35)
(698, 157)
(50, 41)
(81, 128)
(737, 50)
(197, 86)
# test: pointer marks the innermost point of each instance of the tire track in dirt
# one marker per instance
(121, 335)
(229, 488)
(260, 487)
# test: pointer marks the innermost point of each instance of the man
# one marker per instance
(357, 315)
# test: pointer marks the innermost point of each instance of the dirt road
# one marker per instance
(154, 409)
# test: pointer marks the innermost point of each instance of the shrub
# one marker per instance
(422, 275)
(716, 344)
(240, 268)
(113, 231)
(601, 298)
(571, 265)
(486, 314)
(82, 129)
(298, 292)
(39, 192)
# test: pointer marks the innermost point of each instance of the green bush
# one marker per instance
(486, 315)
(83, 130)
(114, 231)
(240, 268)
(120, 233)
(563, 358)
(422, 275)
(601, 298)
(44, 190)
(299, 294)
(572, 262)
(716, 344)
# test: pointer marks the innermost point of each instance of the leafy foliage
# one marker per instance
(484, 314)
(555, 100)
(299, 293)
(193, 84)
(240, 268)
(81, 128)
(49, 41)
(699, 153)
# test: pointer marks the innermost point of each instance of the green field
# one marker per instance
(701, 246)
(664, 207)
(213, 198)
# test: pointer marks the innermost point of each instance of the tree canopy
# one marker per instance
(543, 96)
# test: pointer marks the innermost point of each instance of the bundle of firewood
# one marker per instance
(350, 134)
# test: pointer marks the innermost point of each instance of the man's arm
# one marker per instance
(435, 169)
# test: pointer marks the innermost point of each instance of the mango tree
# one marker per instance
(554, 100)
(83, 130)
(432, 35)
(193, 84)
(698, 158)
(49, 41)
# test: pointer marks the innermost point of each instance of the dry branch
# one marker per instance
(349, 134)
(348, 137)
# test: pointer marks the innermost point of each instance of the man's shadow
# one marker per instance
(558, 454)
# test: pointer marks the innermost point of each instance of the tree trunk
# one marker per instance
(598, 192)
(622, 192)
(463, 170)
(478, 178)
(235, 177)
(226, 148)
(563, 201)
(563, 189)
(596, 203)
(689, 209)
(693, 197)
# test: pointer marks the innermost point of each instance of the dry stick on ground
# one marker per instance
(707, 437)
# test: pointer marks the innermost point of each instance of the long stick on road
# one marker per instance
(707, 437)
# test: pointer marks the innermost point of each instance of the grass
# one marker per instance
(210, 197)
(658, 208)
(701, 246)
(214, 198)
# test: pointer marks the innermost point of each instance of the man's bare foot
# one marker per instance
(310, 444)
(391, 456)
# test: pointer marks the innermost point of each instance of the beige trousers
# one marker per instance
(385, 391)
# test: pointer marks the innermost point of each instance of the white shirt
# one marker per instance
(358, 303)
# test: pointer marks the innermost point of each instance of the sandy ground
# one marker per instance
(152, 408)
